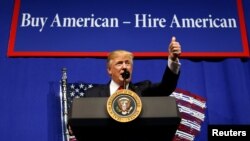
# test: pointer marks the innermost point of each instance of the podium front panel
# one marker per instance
(158, 120)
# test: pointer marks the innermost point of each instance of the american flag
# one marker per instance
(73, 90)
(76, 90)
(191, 107)
(192, 110)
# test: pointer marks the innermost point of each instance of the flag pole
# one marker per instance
(64, 106)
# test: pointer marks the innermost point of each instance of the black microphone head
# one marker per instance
(125, 74)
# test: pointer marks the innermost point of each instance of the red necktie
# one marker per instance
(121, 87)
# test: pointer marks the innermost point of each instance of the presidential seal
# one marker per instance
(124, 105)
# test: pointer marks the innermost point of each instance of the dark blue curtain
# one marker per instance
(29, 87)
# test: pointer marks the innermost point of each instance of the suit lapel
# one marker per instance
(135, 89)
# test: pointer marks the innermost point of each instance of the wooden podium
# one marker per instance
(158, 120)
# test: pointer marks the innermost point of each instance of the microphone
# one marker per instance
(125, 74)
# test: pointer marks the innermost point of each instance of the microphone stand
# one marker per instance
(124, 84)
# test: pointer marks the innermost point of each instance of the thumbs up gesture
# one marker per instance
(174, 49)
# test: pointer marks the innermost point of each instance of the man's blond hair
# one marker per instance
(114, 54)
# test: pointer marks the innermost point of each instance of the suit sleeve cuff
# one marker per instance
(174, 66)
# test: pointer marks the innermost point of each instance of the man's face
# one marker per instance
(117, 66)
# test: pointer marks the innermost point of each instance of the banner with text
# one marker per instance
(92, 28)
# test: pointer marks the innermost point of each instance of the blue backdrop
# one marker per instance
(29, 87)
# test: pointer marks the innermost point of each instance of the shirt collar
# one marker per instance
(114, 86)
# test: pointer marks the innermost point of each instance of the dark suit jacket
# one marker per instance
(144, 88)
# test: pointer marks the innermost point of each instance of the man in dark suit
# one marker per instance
(120, 60)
